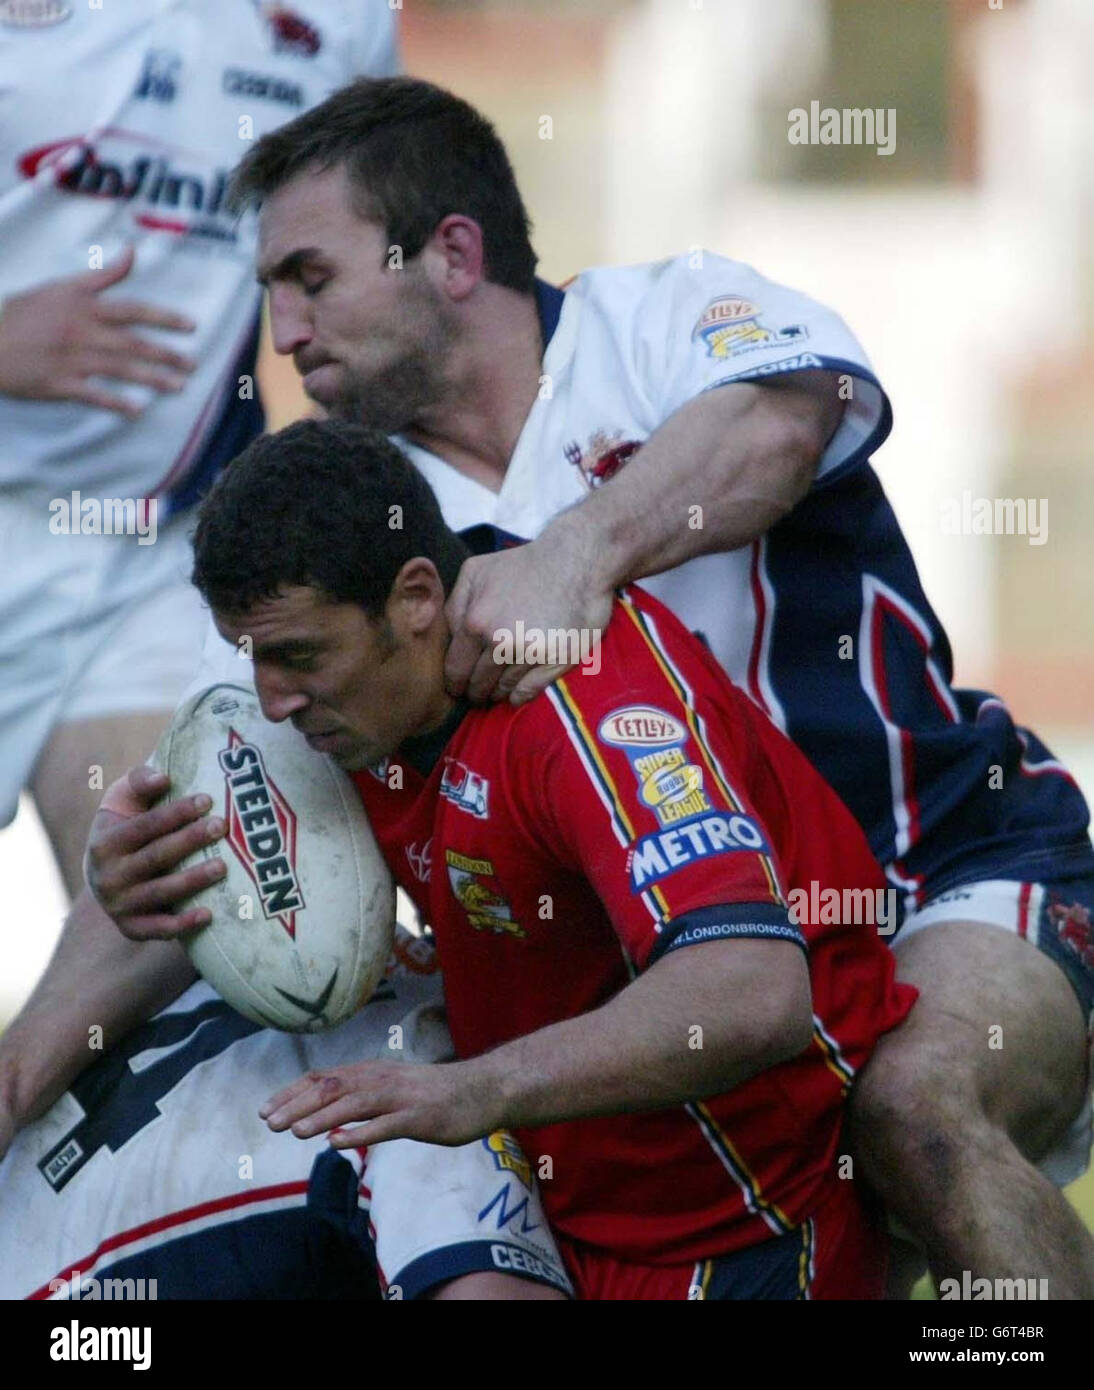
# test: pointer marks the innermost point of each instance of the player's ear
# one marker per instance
(458, 257)
(417, 597)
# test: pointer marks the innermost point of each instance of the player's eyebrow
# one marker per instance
(289, 266)
(289, 646)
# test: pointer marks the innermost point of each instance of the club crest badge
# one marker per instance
(602, 458)
(470, 881)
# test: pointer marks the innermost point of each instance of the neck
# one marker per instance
(493, 381)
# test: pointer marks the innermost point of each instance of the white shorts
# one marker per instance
(1026, 910)
(89, 626)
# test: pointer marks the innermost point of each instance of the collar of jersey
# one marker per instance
(423, 751)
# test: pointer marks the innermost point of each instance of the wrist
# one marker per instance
(590, 546)
(495, 1083)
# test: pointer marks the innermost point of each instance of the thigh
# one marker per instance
(997, 1026)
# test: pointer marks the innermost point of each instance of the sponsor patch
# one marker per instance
(784, 364)
(238, 82)
(57, 1165)
(656, 856)
(730, 326)
(486, 909)
(466, 789)
(641, 726)
(668, 783)
(508, 1156)
(413, 955)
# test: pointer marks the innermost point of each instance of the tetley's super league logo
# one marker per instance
(670, 784)
(730, 325)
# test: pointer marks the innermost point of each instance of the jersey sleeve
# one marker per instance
(636, 787)
(707, 322)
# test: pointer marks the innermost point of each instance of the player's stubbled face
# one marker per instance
(354, 687)
(370, 341)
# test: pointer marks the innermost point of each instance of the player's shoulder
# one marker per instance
(645, 657)
(690, 275)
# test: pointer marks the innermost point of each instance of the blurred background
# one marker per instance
(963, 261)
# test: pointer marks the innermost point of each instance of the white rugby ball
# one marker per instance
(303, 920)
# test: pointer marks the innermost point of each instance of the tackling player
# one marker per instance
(609, 881)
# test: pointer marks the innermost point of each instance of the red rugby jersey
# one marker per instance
(559, 848)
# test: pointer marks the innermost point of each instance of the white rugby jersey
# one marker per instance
(633, 344)
(120, 124)
(155, 1165)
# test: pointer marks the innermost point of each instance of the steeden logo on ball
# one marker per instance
(261, 831)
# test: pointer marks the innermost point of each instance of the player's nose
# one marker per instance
(290, 319)
(278, 698)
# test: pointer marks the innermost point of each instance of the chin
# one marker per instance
(357, 759)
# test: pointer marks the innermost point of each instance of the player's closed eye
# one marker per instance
(299, 661)
(312, 288)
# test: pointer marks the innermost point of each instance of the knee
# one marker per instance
(913, 1125)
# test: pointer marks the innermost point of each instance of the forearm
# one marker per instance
(699, 1022)
(96, 978)
(716, 475)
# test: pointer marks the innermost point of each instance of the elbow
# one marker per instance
(790, 432)
(785, 1027)
(797, 447)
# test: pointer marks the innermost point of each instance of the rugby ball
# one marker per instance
(303, 920)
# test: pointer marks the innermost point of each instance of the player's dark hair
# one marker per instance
(414, 154)
(322, 503)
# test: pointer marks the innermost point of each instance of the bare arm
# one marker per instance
(95, 977)
(718, 473)
(743, 453)
(98, 977)
(750, 1000)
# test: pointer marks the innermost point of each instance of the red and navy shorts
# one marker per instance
(839, 1252)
